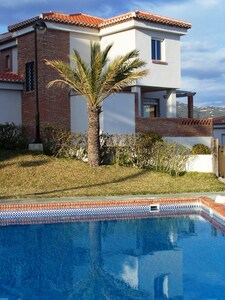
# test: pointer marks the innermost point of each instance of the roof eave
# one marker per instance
(70, 22)
(171, 23)
(23, 24)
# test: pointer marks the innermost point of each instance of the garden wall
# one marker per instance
(200, 163)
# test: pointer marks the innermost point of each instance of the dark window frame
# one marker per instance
(30, 76)
(156, 49)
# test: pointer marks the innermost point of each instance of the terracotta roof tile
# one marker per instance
(10, 77)
(22, 24)
(78, 19)
(5, 36)
(146, 17)
(85, 20)
(164, 20)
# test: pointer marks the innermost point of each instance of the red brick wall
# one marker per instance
(54, 103)
(175, 127)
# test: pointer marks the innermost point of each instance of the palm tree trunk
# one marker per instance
(93, 136)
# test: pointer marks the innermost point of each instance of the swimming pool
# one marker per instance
(155, 250)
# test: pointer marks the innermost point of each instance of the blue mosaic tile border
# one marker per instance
(181, 207)
(106, 211)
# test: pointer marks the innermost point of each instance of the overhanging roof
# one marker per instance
(10, 77)
(181, 93)
(85, 20)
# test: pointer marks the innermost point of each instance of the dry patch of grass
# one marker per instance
(37, 176)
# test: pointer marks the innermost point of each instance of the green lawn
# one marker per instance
(38, 176)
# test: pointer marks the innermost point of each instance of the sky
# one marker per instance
(202, 49)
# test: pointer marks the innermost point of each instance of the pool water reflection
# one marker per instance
(157, 258)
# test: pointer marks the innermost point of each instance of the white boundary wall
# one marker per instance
(200, 163)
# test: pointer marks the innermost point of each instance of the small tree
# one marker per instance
(95, 82)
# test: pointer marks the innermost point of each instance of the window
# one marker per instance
(30, 76)
(7, 62)
(156, 49)
(151, 108)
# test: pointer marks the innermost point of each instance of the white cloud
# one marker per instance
(208, 2)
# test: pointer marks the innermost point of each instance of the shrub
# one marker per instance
(200, 149)
(143, 147)
(12, 137)
(61, 142)
(143, 150)
(170, 158)
(118, 149)
(128, 149)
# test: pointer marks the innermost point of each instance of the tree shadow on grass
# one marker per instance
(140, 173)
(10, 154)
(6, 155)
(36, 163)
(96, 184)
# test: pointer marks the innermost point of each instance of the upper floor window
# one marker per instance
(30, 86)
(156, 49)
(7, 62)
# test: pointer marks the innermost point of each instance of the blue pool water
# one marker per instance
(155, 258)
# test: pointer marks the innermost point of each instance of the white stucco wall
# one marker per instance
(123, 42)
(78, 114)
(160, 75)
(10, 106)
(171, 104)
(200, 163)
(118, 115)
(81, 42)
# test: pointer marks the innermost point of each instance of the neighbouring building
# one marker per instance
(150, 105)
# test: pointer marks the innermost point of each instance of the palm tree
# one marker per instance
(95, 82)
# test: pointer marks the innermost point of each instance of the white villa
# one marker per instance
(150, 105)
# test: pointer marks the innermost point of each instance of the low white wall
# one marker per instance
(200, 163)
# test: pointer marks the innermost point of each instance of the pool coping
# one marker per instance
(110, 208)
(109, 202)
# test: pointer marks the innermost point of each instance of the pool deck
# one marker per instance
(207, 199)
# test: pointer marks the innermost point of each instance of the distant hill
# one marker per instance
(200, 111)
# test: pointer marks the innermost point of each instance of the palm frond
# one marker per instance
(97, 80)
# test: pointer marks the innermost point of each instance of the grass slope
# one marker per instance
(30, 175)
